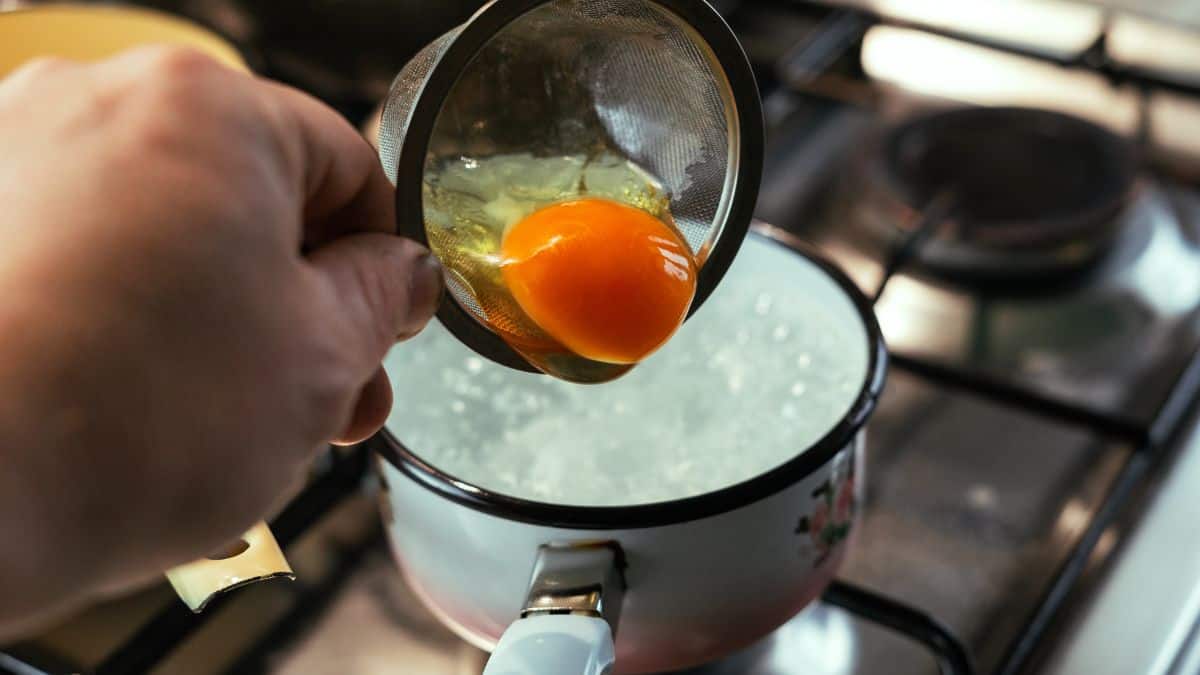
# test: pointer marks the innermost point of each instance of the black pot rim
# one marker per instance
(463, 48)
(1067, 228)
(696, 507)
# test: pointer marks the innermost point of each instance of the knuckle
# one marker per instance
(42, 66)
(174, 61)
(384, 288)
(157, 133)
(183, 105)
(176, 76)
(329, 392)
(36, 71)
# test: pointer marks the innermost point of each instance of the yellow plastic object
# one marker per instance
(92, 33)
(255, 558)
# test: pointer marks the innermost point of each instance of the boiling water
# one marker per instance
(770, 363)
(469, 205)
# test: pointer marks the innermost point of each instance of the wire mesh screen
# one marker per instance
(566, 87)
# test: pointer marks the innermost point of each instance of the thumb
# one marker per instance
(386, 288)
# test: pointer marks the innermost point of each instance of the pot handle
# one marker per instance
(561, 644)
(255, 557)
(570, 614)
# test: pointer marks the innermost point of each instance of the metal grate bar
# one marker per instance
(1094, 59)
(1065, 579)
(1179, 403)
(952, 657)
(309, 605)
(935, 214)
(1014, 396)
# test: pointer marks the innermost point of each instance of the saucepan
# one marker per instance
(741, 453)
(1045, 205)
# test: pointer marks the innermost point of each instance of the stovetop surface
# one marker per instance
(1111, 340)
(1013, 431)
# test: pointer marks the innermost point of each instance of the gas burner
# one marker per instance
(996, 194)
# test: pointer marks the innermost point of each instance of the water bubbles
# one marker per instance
(981, 497)
(531, 402)
(735, 382)
(762, 304)
(505, 400)
(676, 471)
(704, 412)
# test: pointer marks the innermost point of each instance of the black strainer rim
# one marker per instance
(489, 20)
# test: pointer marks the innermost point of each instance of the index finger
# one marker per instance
(344, 186)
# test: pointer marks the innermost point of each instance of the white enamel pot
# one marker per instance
(545, 587)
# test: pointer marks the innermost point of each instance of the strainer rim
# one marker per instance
(465, 45)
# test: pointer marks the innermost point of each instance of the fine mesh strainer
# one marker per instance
(661, 83)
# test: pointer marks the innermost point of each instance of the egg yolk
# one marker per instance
(609, 282)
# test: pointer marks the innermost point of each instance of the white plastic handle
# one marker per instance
(560, 644)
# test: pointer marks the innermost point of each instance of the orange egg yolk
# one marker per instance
(609, 282)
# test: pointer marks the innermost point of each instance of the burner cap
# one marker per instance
(1019, 177)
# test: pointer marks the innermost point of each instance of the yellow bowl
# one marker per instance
(92, 33)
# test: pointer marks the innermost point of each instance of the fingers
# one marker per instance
(370, 411)
(383, 287)
(386, 288)
(345, 189)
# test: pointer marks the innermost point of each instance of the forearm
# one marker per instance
(33, 581)
(49, 521)
(77, 496)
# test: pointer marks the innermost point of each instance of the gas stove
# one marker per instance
(1033, 461)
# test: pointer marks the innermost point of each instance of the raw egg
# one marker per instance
(608, 281)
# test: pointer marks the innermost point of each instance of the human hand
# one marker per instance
(169, 360)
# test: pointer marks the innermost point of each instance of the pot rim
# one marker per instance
(729, 498)
(1007, 233)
